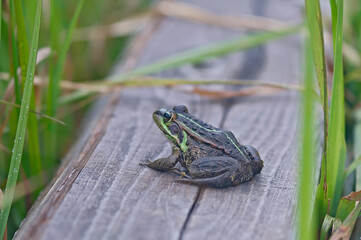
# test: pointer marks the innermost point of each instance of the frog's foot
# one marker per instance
(146, 163)
(161, 164)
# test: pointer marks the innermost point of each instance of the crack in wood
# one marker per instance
(191, 210)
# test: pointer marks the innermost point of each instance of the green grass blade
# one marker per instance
(357, 149)
(326, 226)
(0, 20)
(337, 119)
(334, 20)
(214, 50)
(354, 165)
(53, 91)
(344, 209)
(305, 209)
(14, 54)
(34, 162)
(23, 44)
(314, 19)
(20, 132)
(62, 56)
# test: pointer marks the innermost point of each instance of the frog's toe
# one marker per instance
(148, 161)
(181, 173)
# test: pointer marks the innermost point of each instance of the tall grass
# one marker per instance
(15, 56)
(314, 20)
(54, 78)
(21, 128)
(336, 147)
(330, 210)
(306, 207)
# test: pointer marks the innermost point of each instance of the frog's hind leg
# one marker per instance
(218, 172)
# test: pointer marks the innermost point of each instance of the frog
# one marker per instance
(203, 155)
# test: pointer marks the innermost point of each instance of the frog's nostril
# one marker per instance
(156, 113)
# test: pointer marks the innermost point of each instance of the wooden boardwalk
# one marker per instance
(102, 193)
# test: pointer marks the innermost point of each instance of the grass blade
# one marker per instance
(345, 230)
(33, 163)
(20, 132)
(214, 50)
(196, 55)
(337, 122)
(357, 144)
(32, 111)
(334, 20)
(54, 82)
(306, 183)
(353, 166)
(326, 226)
(0, 20)
(15, 55)
(314, 19)
(23, 44)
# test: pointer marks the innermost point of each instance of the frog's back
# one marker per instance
(217, 137)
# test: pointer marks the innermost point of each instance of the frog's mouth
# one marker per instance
(158, 119)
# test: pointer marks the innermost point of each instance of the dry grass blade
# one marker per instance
(151, 81)
(29, 185)
(218, 95)
(193, 13)
(3, 148)
(104, 87)
(353, 196)
(189, 12)
(121, 28)
(32, 111)
(349, 52)
(69, 85)
(345, 230)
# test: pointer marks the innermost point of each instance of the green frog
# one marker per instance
(208, 156)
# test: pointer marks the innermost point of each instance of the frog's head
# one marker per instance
(256, 161)
(167, 122)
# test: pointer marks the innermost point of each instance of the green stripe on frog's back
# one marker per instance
(209, 130)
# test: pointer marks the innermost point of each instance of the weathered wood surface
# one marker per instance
(102, 193)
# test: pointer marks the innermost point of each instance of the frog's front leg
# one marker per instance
(164, 164)
(218, 172)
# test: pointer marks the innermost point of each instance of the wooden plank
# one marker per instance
(102, 192)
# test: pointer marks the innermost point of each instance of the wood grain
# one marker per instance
(101, 191)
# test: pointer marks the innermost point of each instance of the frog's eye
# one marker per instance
(174, 129)
(167, 116)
